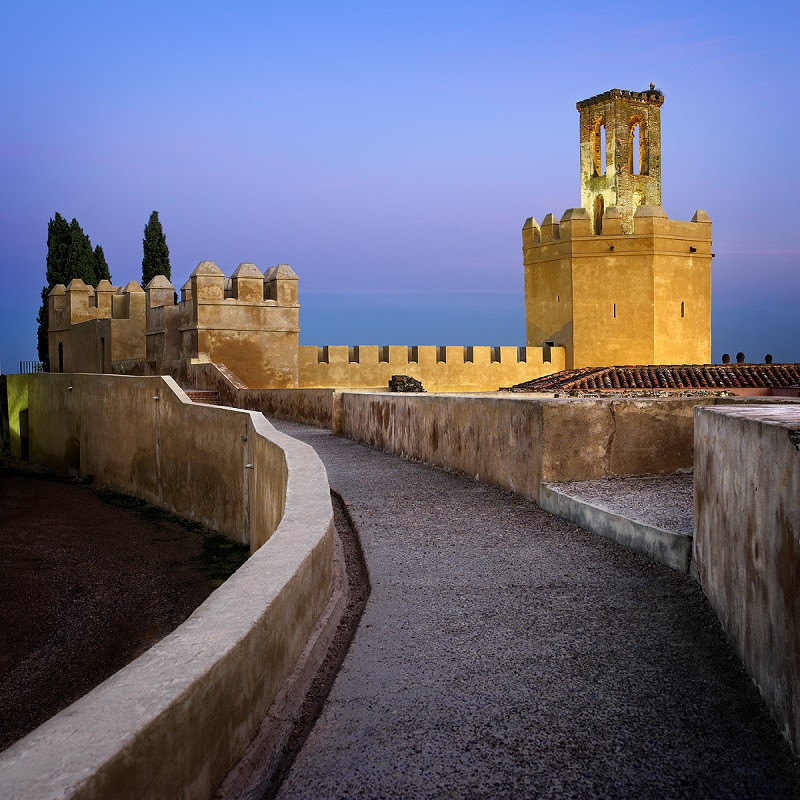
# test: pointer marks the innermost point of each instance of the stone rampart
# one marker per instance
(747, 542)
(176, 720)
(441, 369)
(249, 323)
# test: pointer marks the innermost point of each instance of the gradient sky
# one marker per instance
(390, 151)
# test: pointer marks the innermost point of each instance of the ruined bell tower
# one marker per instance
(616, 281)
(620, 153)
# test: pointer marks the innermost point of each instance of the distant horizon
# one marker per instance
(389, 154)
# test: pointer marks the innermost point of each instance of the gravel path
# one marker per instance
(506, 653)
(661, 501)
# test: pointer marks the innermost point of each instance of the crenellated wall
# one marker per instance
(91, 328)
(441, 369)
(615, 298)
(248, 322)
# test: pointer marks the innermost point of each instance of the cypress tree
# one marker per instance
(80, 258)
(156, 253)
(58, 242)
(43, 318)
(101, 272)
(69, 255)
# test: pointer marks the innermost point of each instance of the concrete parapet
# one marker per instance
(321, 408)
(519, 442)
(666, 547)
(176, 720)
(747, 542)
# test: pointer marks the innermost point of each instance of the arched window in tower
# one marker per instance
(599, 147)
(635, 147)
(599, 204)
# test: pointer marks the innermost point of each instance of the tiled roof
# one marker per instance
(679, 377)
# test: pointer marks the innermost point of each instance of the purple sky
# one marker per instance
(390, 152)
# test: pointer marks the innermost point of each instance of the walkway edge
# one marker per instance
(672, 549)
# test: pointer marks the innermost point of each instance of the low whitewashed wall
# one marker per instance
(747, 542)
(176, 720)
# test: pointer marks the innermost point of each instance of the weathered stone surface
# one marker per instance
(405, 383)
(747, 542)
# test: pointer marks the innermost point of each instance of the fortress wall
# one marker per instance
(519, 442)
(321, 408)
(176, 720)
(747, 542)
(441, 369)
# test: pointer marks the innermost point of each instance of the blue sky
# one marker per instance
(390, 152)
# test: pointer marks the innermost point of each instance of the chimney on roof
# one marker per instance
(740, 358)
(768, 358)
(726, 358)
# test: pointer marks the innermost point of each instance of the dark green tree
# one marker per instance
(80, 257)
(156, 253)
(101, 272)
(69, 255)
(58, 242)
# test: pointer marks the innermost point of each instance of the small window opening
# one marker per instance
(603, 149)
(558, 298)
(599, 147)
(60, 356)
(615, 310)
(683, 309)
(599, 204)
(635, 148)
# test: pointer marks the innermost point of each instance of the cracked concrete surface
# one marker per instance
(507, 653)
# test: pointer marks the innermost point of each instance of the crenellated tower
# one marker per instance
(616, 282)
(620, 145)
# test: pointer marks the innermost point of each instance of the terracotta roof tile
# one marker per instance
(676, 377)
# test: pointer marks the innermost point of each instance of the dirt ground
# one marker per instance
(89, 580)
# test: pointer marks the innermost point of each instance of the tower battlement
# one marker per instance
(651, 95)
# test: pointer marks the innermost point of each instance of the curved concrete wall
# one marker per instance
(173, 722)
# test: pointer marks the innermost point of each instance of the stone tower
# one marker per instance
(620, 139)
(616, 282)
